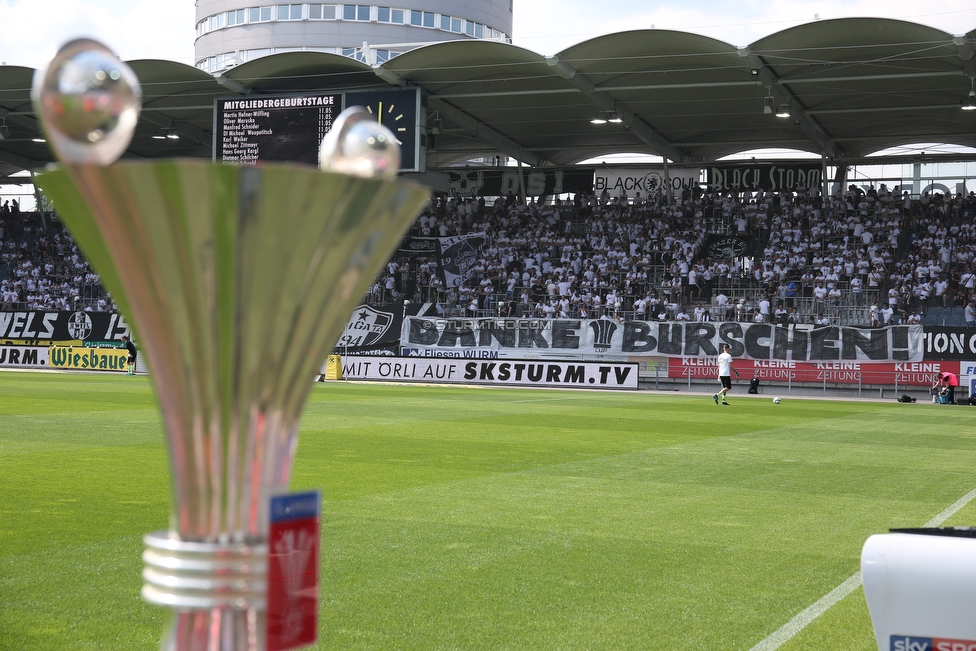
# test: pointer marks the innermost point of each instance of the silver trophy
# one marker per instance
(237, 281)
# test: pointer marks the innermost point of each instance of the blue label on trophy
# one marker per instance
(295, 506)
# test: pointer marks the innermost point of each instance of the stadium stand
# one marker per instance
(860, 257)
(41, 268)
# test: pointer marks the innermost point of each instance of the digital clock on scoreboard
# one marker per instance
(402, 111)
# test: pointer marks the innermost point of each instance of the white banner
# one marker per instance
(24, 356)
(646, 180)
(574, 338)
(522, 373)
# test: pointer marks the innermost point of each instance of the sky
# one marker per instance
(31, 31)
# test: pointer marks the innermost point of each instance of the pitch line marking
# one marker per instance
(786, 632)
(952, 510)
(512, 402)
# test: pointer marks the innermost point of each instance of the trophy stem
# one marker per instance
(218, 629)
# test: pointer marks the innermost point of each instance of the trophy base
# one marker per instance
(217, 590)
(202, 576)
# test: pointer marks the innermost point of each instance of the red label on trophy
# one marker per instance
(293, 571)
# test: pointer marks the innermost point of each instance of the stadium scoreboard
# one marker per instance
(279, 129)
(289, 128)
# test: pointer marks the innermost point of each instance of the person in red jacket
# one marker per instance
(951, 380)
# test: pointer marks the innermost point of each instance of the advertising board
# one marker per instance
(23, 356)
(834, 372)
(522, 373)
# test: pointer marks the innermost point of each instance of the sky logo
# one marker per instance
(908, 643)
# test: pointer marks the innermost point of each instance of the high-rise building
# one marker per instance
(230, 32)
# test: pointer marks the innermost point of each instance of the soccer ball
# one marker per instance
(776, 400)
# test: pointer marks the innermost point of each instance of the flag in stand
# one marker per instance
(458, 256)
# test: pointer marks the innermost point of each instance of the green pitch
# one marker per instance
(493, 519)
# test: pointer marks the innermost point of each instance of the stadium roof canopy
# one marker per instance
(852, 87)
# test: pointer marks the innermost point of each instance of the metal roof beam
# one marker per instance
(880, 77)
(711, 84)
(22, 118)
(184, 129)
(910, 158)
(233, 85)
(181, 128)
(22, 162)
(785, 96)
(483, 132)
(787, 143)
(10, 179)
(607, 102)
(860, 160)
(159, 109)
(886, 109)
(389, 76)
(910, 138)
(966, 55)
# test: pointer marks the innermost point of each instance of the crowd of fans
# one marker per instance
(873, 257)
(41, 268)
(870, 257)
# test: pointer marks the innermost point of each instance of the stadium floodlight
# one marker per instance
(167, 133)
(969, 104)
(607, 116)
(783, 112)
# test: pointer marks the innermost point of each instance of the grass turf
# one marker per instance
(458, 518)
